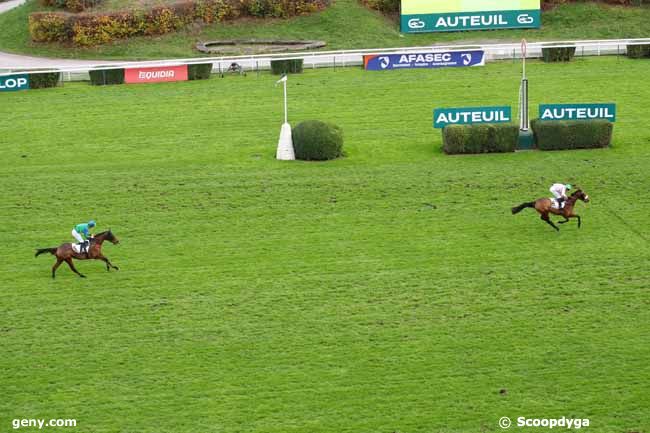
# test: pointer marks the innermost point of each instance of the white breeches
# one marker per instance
(77, 236)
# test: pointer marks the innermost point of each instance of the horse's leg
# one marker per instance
(545, 217)
(56, 265)
(579, 220)
(69, 262)
(109, 265)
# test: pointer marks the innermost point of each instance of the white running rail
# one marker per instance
(342, 58)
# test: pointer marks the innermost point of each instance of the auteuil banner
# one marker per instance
(456, 15)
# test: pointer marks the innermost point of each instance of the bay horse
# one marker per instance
(545, 207)
(65, 253)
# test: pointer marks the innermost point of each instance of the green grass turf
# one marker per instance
(344, 25)
(389, 291)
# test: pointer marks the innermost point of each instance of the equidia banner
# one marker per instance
(156, 74)
(10, 83)
(577, 112)
(455, 15)
(469, 115)
(451, 59)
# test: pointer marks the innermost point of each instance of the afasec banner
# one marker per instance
(455, 15)
(156, 74)
(577, 112)
(452, 59)
(469, 115)
(10, 83)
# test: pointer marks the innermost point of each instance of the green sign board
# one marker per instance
(470, 115)
(577, 112)
(10, 83)
(419, 16)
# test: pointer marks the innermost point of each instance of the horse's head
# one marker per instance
(111, 237)
(581, 195)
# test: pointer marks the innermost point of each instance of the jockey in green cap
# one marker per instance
(81, 232)
(559, 192)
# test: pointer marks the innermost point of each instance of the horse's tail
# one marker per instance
(45, 250)
(522, 206)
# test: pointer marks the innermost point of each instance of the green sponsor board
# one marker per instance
(456, 15)
(577, 112)
(10, 83)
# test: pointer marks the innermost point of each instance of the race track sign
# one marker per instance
(455, 15)
(577, 112)
(10, 83)
(470, 115)
(450, 59)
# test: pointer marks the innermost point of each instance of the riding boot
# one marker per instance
(560, 203)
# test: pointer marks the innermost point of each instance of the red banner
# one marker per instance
(156, 74)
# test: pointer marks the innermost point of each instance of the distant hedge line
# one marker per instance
(89, 29)
(483, 138)
(638, 51)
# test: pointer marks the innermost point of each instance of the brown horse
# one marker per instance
(65, 253)
(544, 207)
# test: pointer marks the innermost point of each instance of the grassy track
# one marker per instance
(344, 25)
(387, 291)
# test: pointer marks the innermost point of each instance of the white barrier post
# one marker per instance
(526, 137)
(285, 144)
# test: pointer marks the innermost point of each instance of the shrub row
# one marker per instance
(558, 54)
(71, 5)
(89, 29)
(293, 66)
(577, 134)
(483, 138)
(638, 51)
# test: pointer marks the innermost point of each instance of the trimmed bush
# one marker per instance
(106, 76)
(199, 71)
(482, 138)
(314, 140)
(293, 66)
(558, 54)
(89, 29)
(44, 80)
(575, 134)
(638, 51)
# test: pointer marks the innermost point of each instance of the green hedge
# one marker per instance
(483, 138)
(106, 76)
(199, 71)
(44, 80)
(287, 66)
(95, 28)
(558, 54)
(575, 134)
(314, 140)
(638, 51)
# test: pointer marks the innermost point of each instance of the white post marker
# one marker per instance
(285, 144)
(524, 123)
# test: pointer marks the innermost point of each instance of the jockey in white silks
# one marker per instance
(559, 192)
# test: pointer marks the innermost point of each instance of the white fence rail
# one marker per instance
(343, 58)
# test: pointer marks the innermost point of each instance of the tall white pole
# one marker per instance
(285, 101)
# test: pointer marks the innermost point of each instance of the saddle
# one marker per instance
(81, 248)
(555, 204)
